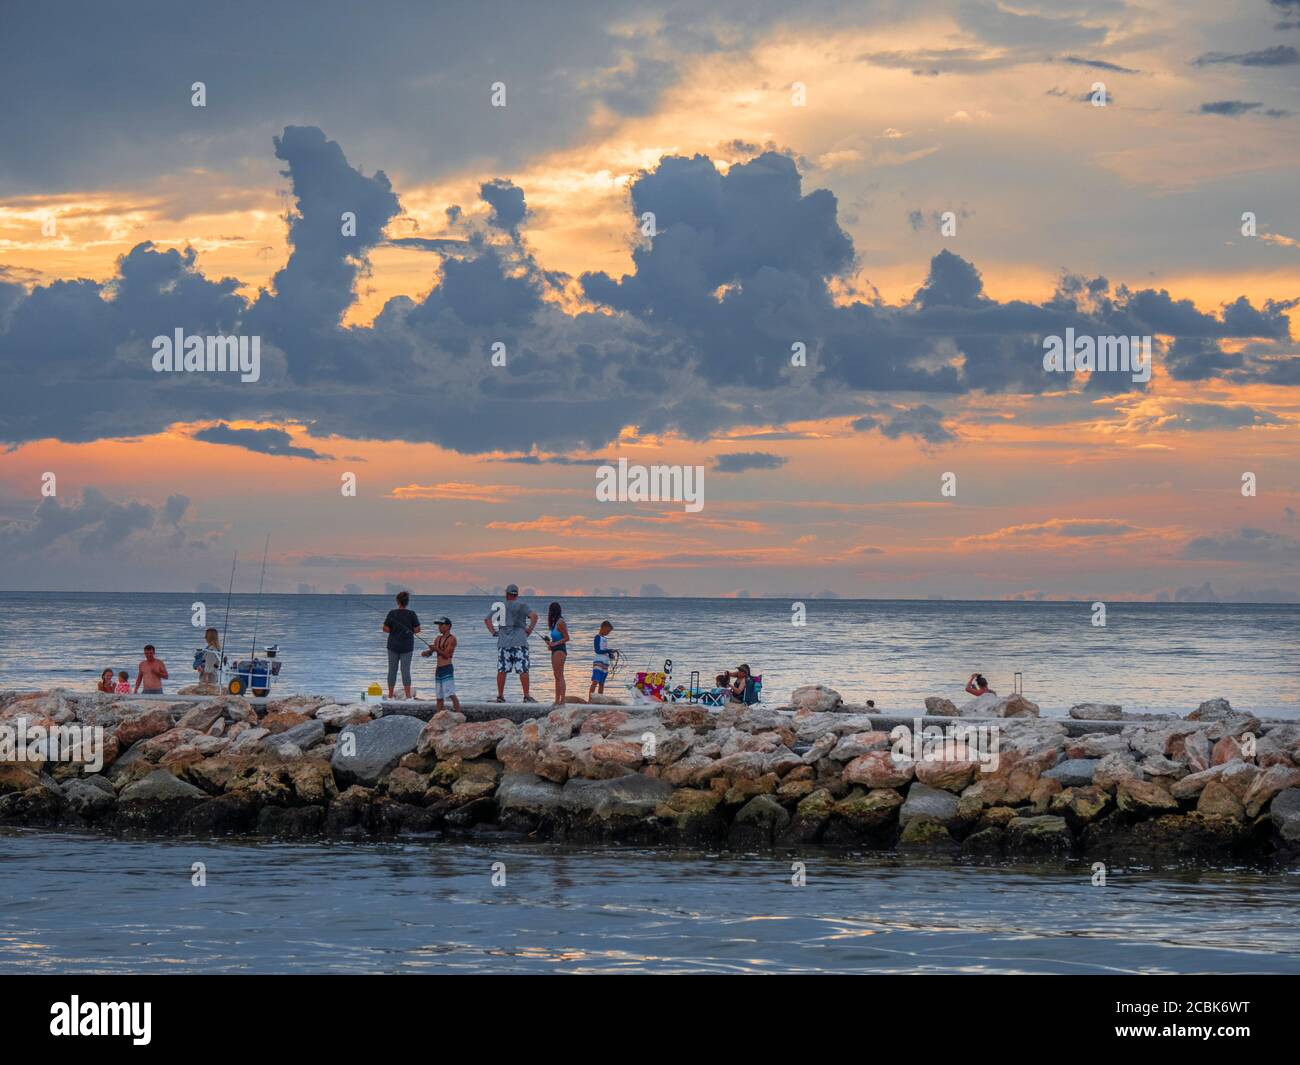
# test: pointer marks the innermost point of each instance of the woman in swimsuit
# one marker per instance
(106, 681)
(557, 639)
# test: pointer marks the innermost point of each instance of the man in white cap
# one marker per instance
(512, 641)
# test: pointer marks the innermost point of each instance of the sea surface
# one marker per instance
(1148, 656)
(88, 904)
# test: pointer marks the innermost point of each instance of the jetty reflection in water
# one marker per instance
(90, 904)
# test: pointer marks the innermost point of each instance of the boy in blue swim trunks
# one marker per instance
(444, 676)
(600, 663)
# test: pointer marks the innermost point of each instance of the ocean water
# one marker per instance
(1148, 657)
(94, 905)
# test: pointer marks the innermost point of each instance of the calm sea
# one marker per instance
(1148, 656)
(92, 905)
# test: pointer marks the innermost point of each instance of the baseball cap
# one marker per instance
(443, 621)
(512, 589)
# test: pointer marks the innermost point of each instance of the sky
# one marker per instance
(812, 251)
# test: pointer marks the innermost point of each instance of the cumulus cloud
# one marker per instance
(741, 268)
(94, 524)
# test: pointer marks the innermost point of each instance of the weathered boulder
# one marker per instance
(1074, 772)
(304, 736)
(156, 802)
(143, 726)
(862, 812)
(1114, 769)
(1284, 812)
(857, 744)
(817, 698)
(1217, 800)
(937, 706)
(879, 769)
(758, 822)
(634, 795)
(1097, 711)
(379, 745)
(926, 834)
(1143, 798)
(1079, 805)
(470, 740)
(87, 799)
(338, 716)
(980, 706)
(201, 717)
(1045, 834)
(925, 801)
(1212, 710)
(952, 775)
(694, 813)
(1269, 783)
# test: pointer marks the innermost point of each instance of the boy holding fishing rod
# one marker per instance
(444, 676)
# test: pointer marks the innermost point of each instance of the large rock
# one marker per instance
(817, 698)
(1212, 710)
(305, 735)
(990, 705)
(1046, 834)
(143, 726)
(634, 795)
(1074, 772)
(759, 822)
(879, 769)
(953, 775)
(1144, 798)
(1217, 800)
(380, 745)
(528, 793)
(160, 786)
(937, 706)
(1097, 711)
(88, 799)
(1284, 812)
(925, 801)
(470, 740)
(1079, 805)
(1269, 783)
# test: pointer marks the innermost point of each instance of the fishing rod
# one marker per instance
(258, 616)
(229, 592)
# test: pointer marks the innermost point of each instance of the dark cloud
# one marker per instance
(743, 461)
(1098, 64)
(507, 202)
(94, 524)
(1280, 55)
(922, 422)
(696, 339)
(263, 441)
(1244, 545)
(1237, 108)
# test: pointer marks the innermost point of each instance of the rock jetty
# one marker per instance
(1218, 785)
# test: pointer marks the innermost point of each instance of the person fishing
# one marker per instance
(402, 625)
(517, 623)
(557, 639)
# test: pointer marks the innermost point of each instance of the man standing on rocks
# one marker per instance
(512, 641)
(151, 673)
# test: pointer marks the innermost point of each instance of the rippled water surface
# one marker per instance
(1149, 656)
(91, 904)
